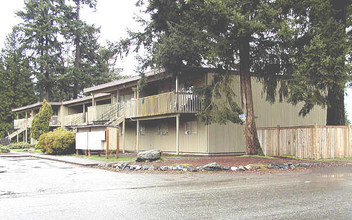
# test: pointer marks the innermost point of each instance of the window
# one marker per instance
(142, 130)
(190, 127)
(163, 129)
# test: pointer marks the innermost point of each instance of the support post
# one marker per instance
(84, 112)
(176, 93)
(349, 141)
(177, 134)
(77, 153)
(123, 135)
(107, 142)
(93, 100)
(117, 143)
(26, 131)
(137, 142)
(278, 140)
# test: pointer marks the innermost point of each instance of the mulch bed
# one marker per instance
(196, 161)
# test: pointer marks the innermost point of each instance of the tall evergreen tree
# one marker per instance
(41, 33)
(16, 86)
(320, 49)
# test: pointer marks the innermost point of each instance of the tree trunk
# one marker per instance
(336, 108)
(336, 105)
(250, 131)
(77, 55)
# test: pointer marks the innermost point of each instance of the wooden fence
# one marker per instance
(311, 142)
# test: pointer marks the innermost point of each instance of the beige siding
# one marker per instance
(161, 134)
(130, 139)
(229, 138)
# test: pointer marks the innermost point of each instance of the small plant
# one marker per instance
(4, 149)
(59, 141)
(19, 145)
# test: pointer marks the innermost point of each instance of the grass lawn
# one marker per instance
(103, 158)
(258, 156)
(23, 150)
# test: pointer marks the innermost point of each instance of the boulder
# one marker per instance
(211, 167)
(149, 155)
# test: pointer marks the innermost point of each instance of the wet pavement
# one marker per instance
(32, 188)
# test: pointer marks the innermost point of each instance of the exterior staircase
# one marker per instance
(113, 116)
(15, 133)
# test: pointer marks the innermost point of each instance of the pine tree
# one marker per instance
(16, 86)
(41, 33)
(319, 49)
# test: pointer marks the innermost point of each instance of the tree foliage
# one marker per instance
(62, 49)
(16, 86)
(319, 46)
(40, 123)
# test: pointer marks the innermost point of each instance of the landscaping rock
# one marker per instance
(211, 167)
(164, 168)
(153, 167)
(248, 167)
(241, 168)
(149, 155)
(191, 169)
(180, 167)
(305, 165)
(226, 168)
(234, 168)
(135, 167)
(145, 167)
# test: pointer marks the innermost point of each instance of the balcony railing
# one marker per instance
(165, 103)
(27, 123)
(75, 119)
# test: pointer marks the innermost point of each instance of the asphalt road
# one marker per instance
(42, 189)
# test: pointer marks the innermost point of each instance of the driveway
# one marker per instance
(42, 189)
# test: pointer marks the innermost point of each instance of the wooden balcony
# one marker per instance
(161, 104)
(27, 122)
(75, 119)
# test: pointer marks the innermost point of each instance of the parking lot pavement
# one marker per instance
(32, 188)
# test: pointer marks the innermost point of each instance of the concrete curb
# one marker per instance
(65, 159)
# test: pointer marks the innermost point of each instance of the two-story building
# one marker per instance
(162, 115)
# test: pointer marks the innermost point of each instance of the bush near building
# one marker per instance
(4, 149)
(59, 141)
(20, 145)
(40, 123)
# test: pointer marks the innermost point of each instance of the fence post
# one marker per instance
(278, 140)
(315, 142)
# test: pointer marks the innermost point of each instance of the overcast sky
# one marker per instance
(113, 16)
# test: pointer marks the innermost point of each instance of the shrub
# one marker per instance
(4, 149)
(40, 123)
(20, 145)
(59, 141)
